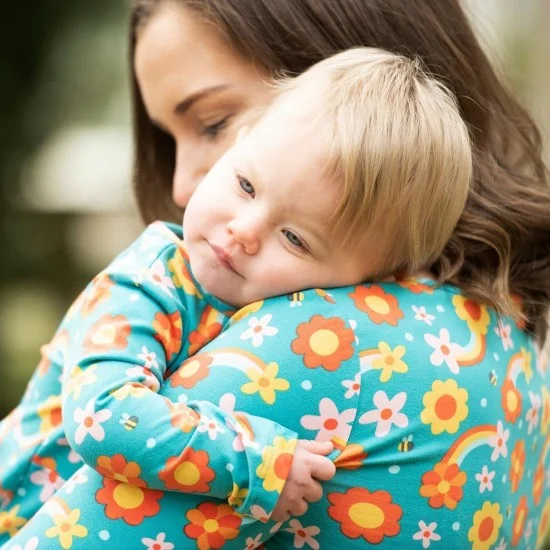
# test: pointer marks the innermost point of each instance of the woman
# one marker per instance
(438, 406)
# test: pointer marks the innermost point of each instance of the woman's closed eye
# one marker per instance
(246, 186)
(213, 131)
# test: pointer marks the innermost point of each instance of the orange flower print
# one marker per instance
(380, 306)
(168, 332)
(538, 483)
(352, 457)
(183, 417)
(443, 485)
(209, 327)
(119, 469)
(510, 400)
(97, 292)
(415, 286)
(107, 333)
(520, 519)
(188, 473)
(487, 521)
(123, 493)
(361, 513)
(517, 462)
(128, 502)
(211, 525)
(324, 342)
(192, 371)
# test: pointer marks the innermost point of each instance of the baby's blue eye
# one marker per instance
(293, 238)
(246, 186)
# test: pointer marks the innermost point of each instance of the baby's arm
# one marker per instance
(121, 339)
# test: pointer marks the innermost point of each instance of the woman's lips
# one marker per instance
(224, 258)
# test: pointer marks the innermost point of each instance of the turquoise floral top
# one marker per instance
(438, 409)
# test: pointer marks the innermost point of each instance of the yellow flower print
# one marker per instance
(66, 527)
(526, 364)
(130, 390)
(50, 414)
(390, 361)
(444, 407)
(237, 496)
(476, 315)
(246, 311)
(265, 382)
(181, 276)
(10, 522)
(484, 532)
(276, 462)
(78, 378)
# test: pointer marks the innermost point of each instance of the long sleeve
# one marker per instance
(124, 337)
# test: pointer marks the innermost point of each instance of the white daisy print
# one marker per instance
(485, 479)
(50, 481)
(252, 543)
(330, 422)
(76, 479)
(258, 328)
(444, 350)
(158, 543)
(532, 415)
(352, 386)
(498, 442)
(386, 413)
(303, 535)
(504, 332)
(427, 533)
(420, 314)
(149, 358)
(210, 426)
(156, 274)
(89, 422)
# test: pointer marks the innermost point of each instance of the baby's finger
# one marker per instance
(299, 508)
(313, 491)
(317, 447)
(322, 468)
(280, 513)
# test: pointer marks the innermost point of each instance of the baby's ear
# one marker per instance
(242, 132)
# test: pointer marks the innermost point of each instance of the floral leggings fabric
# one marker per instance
(439, 412)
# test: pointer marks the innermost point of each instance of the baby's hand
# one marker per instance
(301, 486)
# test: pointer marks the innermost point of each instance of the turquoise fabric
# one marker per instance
(439, 412)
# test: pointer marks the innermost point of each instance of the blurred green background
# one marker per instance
(65, 151)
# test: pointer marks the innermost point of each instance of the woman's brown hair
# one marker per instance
(501, 245)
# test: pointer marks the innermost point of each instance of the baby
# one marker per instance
(358, 170)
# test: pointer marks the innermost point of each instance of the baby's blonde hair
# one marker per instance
(397, 140)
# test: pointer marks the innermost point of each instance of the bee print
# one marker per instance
(493, 378)
(129, 422)
(406, 444)
(296, 299)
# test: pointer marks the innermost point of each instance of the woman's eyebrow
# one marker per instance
(188, 102)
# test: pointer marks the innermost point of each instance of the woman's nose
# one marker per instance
(188, 172)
